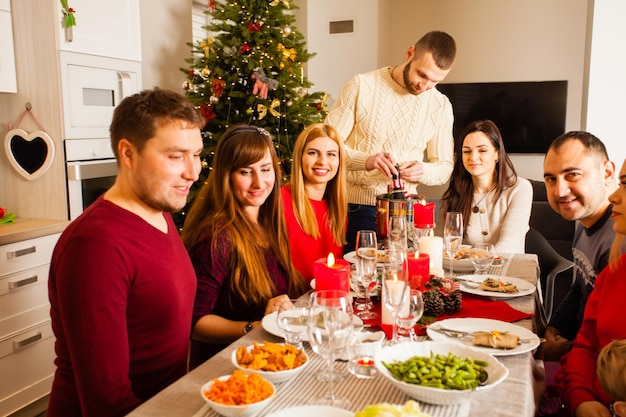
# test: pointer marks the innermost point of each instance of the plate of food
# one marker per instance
(495, 286)
(461, 262)
(495, 337)
(381, 257)
(269, 325)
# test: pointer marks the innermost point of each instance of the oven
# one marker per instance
(91, 170)
(92, 87)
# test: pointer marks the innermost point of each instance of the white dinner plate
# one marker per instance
(312, 411)
(351, 257)
(485, 325)
(523, 287)
(270, 325)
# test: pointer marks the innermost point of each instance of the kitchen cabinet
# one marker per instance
(26, 337)
(107, 28)
(8, 79)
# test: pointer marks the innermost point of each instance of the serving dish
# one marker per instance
(523, 287)
(272, 376)
(497, 372)
(246, 410)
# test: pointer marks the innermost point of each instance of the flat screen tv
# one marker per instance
(529, 114)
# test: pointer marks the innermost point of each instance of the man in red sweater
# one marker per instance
(121, 283)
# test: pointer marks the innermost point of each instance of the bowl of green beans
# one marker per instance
(439, 372)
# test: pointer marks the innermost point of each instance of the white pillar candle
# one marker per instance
(433, 246)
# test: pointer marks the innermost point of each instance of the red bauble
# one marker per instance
(245, 49)
(318, 106)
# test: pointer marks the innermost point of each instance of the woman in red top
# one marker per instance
(315, 199)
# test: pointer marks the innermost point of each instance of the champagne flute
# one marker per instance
(395, 288)
(411, 312)
(366, 257)
(453, 236)
(329, 330)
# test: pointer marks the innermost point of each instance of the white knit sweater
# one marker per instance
(374, 114)
(505, 220)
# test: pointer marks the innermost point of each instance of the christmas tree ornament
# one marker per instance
(213, 99)
(275, 3)
(287, 30)
(245, 49)
(186, 85)
(249, 111)
(205, 72)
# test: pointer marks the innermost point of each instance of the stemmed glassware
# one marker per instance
(329, 331)
(453, 236)
(410, 313)
(395, 289)
(292, 320)
(397, 235)
(482, 256)
(366, 259)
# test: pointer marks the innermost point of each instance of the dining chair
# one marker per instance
(552, 267)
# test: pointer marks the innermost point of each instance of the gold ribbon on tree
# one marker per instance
(277, 2)
(263, 109)
(208, 46)
(288, 54)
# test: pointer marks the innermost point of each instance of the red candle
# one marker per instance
(419, 269)
(424, 215)
(331, 274)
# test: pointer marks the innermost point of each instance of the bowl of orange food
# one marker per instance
(240, 394)
(276, 362)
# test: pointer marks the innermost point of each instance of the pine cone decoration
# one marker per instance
(447, 291)
(433, 303)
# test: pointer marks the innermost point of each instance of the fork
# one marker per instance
(458, 334)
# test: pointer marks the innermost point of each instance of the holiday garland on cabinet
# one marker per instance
(251, 70)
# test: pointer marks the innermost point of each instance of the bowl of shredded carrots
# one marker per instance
(276, 362)
(240, 394)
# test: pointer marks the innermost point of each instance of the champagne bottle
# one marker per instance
(397, 186)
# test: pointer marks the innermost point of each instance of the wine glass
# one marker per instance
(329, 331)
(366, 257)
(395, 289)
(398, 230)
(453, 235)
(482, 256)
(292, 319)
(410, 313)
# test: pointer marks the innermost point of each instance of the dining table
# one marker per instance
(516, 396)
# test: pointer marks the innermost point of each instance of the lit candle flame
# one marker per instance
(395, 277)
(330, 261)
(416, 254)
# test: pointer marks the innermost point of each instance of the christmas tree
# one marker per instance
(252, 71)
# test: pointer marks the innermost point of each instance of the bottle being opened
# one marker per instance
(398, 190)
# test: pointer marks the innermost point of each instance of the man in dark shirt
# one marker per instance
(579, 178)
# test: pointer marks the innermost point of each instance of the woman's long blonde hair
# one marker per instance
(335, 193)
(216, 211)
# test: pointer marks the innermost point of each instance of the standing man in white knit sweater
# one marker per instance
(392, 115)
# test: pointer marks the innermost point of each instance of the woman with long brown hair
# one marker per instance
(237, 239)
(484, 186)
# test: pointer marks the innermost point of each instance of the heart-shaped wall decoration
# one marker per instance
(31, 154)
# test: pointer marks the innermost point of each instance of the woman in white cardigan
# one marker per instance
(484, 186)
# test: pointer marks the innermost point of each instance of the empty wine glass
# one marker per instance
(410, 313)
(292, 319)
(482, 256)
(395, 288)
(366, 257)
(453, 235)
(329, 331)
(398, 230)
